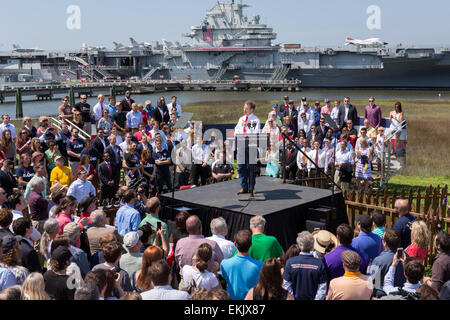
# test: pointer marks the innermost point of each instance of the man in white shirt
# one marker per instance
(302, 161)
(306, 110)
(177, 106)
(320, 159)
(124, 145)
(99, 107)
(8, 126)
(249, 123)
(17, 203)
(344, 161)
(161, 279)
(81, 187)
(219, 229)
(202, 161)
(134, 117)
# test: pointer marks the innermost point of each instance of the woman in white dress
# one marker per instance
(396, 118)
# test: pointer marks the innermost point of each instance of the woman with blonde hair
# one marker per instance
(34, 287)
(420, 236)
(28, 125)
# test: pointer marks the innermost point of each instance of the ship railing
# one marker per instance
(57, 124)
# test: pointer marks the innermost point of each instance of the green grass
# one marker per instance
(416, 182)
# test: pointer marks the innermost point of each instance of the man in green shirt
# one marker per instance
(263, 246)
(153, 206)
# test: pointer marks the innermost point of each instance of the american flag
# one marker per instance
(207, 34)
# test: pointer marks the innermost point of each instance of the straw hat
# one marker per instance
(324, 241)
(56, 188)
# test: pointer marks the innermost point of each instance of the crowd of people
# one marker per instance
(58, 243)
(329, 137)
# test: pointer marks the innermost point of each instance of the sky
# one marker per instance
(43, 23)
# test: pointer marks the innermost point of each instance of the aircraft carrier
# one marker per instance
(228, 45)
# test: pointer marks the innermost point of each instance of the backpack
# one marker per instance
(193, 285)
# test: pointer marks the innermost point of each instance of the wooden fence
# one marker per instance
(431, 207)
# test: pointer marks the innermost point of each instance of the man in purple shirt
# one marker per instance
(186, 247)
(373, 113)
(333, 261)
(37, 204)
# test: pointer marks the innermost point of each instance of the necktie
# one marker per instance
(245, 124)
(109, 169)
(317, 157)
(304, 159)
(289, 153)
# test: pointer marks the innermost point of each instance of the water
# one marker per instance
(38, 108)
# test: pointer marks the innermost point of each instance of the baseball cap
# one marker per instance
(61, 254)
(132, 238)
(327, 100)
(275, 105)
(291, 102)
(365, 221)
(9, 241)
(303, 98)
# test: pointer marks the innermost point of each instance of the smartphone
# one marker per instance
(399, 253)
(158, 225)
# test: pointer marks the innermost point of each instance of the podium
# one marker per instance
(247, 146)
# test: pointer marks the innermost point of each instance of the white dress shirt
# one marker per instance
(35, 235)
(309, 113)
(344, 157)
(124, 146)
(170, 105)
(98, 110)
(253, 125)
(9, 127)
(300, 156)
(81, 189)
(228, 248)
(164, 293)
(201, 154)
(322, 160)
(305, 125)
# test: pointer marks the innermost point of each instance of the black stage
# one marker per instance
(285, 209)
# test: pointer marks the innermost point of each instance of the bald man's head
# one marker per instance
(98, 217)
(194, 225)
(402, 206)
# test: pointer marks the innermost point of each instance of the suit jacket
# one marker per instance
(125, 105)
(30, 258)
(318, 136)
(104, 173)
(156, 114)
(112, 156)
(5, 232)
(98, 145)
(352, 115)
(291, 160)
(7, 183)
(322, 132)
